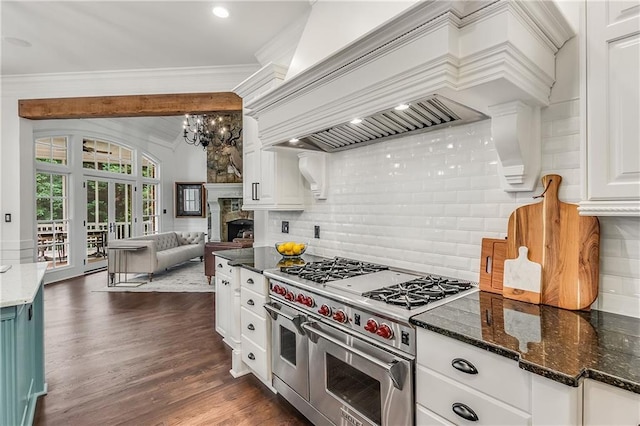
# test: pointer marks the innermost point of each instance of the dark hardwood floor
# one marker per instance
(144, 359)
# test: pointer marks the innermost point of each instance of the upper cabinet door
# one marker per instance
(613, 108)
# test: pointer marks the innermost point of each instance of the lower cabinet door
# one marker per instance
(462, 405)
(223, 308)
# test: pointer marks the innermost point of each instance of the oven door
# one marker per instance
(290, 347)
(356, 382)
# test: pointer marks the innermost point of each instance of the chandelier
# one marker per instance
(207, 129)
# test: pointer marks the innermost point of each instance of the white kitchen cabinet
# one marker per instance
(227, 311)
(608, 405)
(255, 327)
(611, 49)
(272, 180)
(494, 388)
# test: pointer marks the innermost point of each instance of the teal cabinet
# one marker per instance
(21, 361)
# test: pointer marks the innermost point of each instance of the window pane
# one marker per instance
(51, 150)
(106, 156)
(51, 210)
(43, 209)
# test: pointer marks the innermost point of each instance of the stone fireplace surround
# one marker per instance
(216, 193)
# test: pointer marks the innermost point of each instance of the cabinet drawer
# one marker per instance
(253, 301)
(253, 281)
(222, 266)
(254, 327)
(496, 376)
(439, 394)
(426, 417)
(256, 358)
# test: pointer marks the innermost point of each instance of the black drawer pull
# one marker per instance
(464, 411)
(250, 302)
(251, 356)
(250, 281)
(251, 327)
(219, 265)
(463, 365)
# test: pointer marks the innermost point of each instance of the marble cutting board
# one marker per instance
(522, 278)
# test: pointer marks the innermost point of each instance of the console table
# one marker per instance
(121, 255)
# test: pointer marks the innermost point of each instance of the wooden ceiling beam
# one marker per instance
(128, 106)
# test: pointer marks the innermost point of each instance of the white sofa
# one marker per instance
(158, 252)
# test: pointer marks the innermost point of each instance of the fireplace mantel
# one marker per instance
(216, 191)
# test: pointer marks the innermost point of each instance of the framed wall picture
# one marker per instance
(190, 199)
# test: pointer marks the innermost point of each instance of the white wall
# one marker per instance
(424, 202)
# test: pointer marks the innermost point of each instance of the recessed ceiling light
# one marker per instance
(401, 107)
(16, 41)
(220, 12)
(294, 140)
(356, 121)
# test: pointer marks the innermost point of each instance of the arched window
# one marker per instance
(106, 156)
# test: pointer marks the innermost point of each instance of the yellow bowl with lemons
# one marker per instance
(290, 249)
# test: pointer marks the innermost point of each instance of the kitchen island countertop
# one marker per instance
(559, 344)
(20, 283)
(259, 259)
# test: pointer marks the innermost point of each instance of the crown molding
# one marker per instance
(262, 80)
(609, 208)
(105, 83)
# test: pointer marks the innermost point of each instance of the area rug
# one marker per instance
(187, 277)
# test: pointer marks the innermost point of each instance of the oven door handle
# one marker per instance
(295, 320)
(394, 368)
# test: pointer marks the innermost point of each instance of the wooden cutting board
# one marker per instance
(492, 256)
(566, 244)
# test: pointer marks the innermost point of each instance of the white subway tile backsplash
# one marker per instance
(567, 126)
(424, 203)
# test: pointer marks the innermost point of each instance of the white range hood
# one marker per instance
(496, 58)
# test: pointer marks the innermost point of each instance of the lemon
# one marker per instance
(298, 248)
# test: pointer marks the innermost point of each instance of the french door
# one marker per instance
(109, 217)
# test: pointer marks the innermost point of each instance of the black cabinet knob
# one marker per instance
(251, 327)
(250, 281)
(464, 411)
(250, 302)
(251, 356)
(463, 365)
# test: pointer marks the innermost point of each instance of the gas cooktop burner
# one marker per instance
(334, 269)
(419, 292)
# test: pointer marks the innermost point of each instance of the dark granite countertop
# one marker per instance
(259, 259)
(561, 345)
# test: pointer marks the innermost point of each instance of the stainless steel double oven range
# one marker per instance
(343, 350)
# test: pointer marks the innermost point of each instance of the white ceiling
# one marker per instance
(84, 36)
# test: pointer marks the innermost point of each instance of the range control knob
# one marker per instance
(310, 302)
(385, 331)
(325, 310)
(290, 296)
(340, 316)
(301, 298)
(372, 326)
(276, 289)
